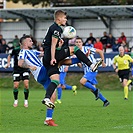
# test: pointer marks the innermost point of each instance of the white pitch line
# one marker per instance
(123, 126)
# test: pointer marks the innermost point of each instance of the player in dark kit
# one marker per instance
(19, 74)
(55, 52)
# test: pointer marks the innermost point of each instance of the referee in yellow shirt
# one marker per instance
(121, 65)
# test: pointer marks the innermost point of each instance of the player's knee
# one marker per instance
(26, 86)
(55, 82)
(71, 49)
(16, 85)
(76, 48)
(82, 82)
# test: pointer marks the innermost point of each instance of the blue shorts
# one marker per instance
(62, 77)
(91, 77)
(43, 78)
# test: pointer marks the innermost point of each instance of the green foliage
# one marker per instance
(74, 2)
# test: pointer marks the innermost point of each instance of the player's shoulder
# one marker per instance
(55, 26)
(127, 55)
(116, 56)
(23, 52)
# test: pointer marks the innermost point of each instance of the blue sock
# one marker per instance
(75, 60)
(59, 91)
(49, 113)
(89, 86)
(102, 97)
(68, 87)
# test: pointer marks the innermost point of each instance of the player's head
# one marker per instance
(121, 51)
(79, 42)
(60, 17)
(26, 42)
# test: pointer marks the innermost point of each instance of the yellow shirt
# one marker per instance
(122, 62)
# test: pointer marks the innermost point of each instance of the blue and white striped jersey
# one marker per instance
(92, 50)
(31, 58)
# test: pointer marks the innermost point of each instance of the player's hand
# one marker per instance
(116, 70)
(53, 62)
(7, 66)
(33, 68)
(61, 42)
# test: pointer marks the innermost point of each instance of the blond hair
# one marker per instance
(59, 13)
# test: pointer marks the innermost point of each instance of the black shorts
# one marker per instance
(123, 74)
(21, 75)
(60, 55)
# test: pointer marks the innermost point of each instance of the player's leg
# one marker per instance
(129, 84)
(88, 85)
(69, 61)
(59, 94)
(95, 91)
(16, 80)
(125, 89)
(124, 77)
(81, 56)
(43, 79)
(53, 73)
(73, 88)
(25, 78)
(49, 113)
(87, 80)
(68, 51)
(59, 88)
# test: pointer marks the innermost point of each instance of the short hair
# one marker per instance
(79, 38)
(58, 13)
(23, 38)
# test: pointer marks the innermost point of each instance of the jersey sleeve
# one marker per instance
(22, 54)
(37, 53)
(56, 34)
(114, 60)
(130, 58)
(12, 53)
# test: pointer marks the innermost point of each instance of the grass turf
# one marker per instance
(80, 113)
(76, 114)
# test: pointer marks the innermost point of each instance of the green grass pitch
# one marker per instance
(76, 114)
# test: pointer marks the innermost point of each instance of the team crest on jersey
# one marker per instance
(56, 33)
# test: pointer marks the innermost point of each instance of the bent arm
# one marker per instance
(53, 47)
(100, 52)
(22, 63)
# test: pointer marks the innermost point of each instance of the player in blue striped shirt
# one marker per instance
(30, 59)
(89, 78)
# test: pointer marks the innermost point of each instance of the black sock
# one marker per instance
(15, 93)
(51, 88)
(26, 94)
(81, 56)
(95, 92)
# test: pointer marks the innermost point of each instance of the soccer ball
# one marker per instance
(69, 32)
